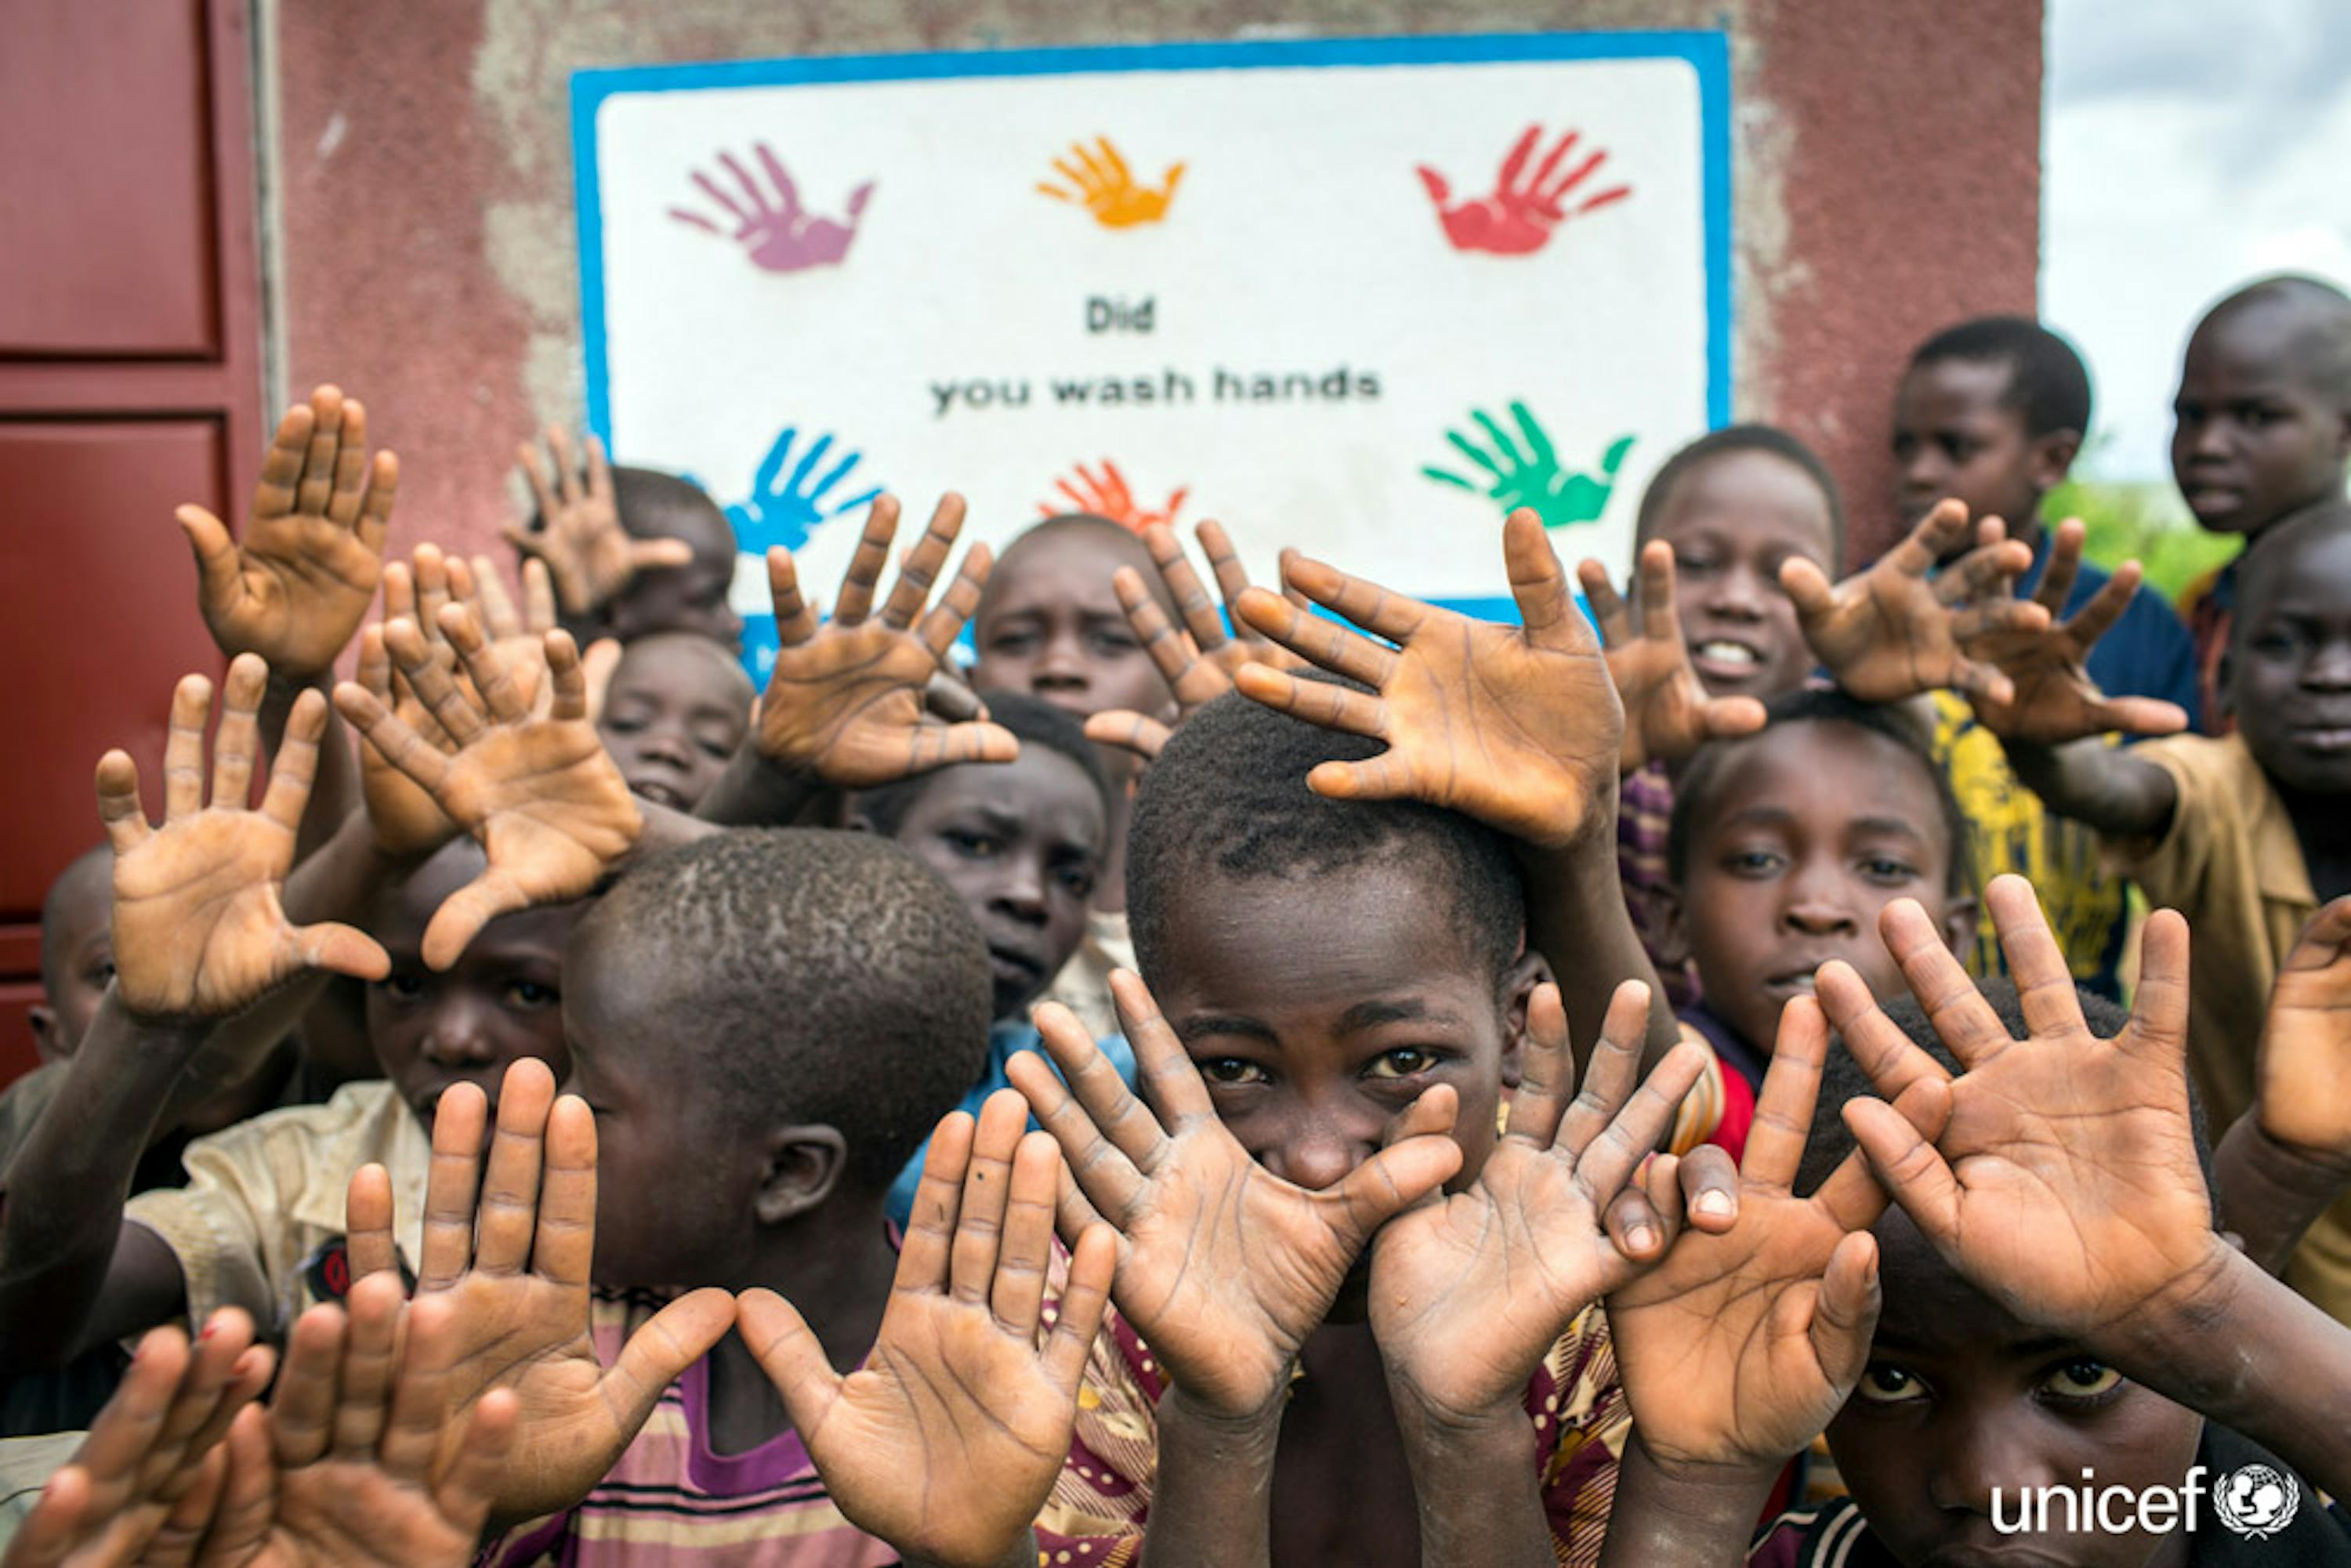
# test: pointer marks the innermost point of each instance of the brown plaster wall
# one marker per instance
(1885, 181)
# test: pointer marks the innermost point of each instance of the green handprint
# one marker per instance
(1531, 475)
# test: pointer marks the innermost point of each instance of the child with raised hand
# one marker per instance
(2244, 834)
(761, 1168)
(1784, 846)
(676, 711)
(2262, 430)
(632, 550)
(1991, 413)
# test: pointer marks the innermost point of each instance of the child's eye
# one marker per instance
(2253, 416)
(1232, 1070)
(2082, 1380)
(100, 976)
(1693, 563)
(1404, 1062)
(1011, 642)
(1957, 450)
(1885, 868)
(1752, 862)
(965, 841)
(1110, 641)
(404, 987)
(531, 994)
(1076, 880)
(1885, 1384)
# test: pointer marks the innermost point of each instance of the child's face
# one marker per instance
(1814, 828)
(1953, 436)
(1317, 1008)
(2289, 671)
(1051, 626)
(691, 598)
(1022, 842)
(501, 1002)
(1731, 521)
(1960, 1398)
(677, 709)
(2251, 438)
(82, 932)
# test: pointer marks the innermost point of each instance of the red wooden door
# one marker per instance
(130, 381)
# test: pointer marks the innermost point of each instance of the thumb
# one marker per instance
(647, 554)
(657, 1354)
(1390, 1182)
(216, 576)
(464, 912)
(1985, 682)
(2143, 716)
(1729, 716)
(345, 949)
(1809, 586)
(787, 1351)
(1844, 1314)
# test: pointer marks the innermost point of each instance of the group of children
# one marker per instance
(1280, 1074)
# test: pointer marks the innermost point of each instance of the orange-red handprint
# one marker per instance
(1524, 210)
(1107, 495)
(1105, 186)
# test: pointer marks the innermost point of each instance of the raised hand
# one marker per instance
(783, 511)
(145, 1480)
(2065, 1185)
(1541, 1234)
(1898, 628)
(549, 807)
(1533, 476)
(775, 231)
(502, 1290)
(1100, 182)
(2054, 700)
(341, 1469)
(1197, 660)
(1223, 1267)
(947, 1440)
(1106, 495)
(1738, 1348)
(296, 586)
(1667, 714)
(2304, 1070)
(1525, 207)
(1516, 725)
(199, 932)
(846, 702)
(579, 534)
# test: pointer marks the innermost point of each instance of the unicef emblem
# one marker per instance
(2256, 1502)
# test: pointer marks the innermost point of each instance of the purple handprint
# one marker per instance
(777, 233)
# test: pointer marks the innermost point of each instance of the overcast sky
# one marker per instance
(2188, 146)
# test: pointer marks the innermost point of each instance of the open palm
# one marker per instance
(199, 932)
(296, 586)
(1519, 727)
(1223, 1267)
(1526, 1246)
(1667, 713)
(846, 702)
(946, 1441)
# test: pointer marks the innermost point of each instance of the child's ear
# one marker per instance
(1527, 971)
(1960, 925)
(2224, 681)
(2050, 458)
(857, 822)
(43, 1019)
(804, 1166)
(1672, 944)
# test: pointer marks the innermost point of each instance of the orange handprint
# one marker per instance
(1518, 218)
(1106, 495)
(1105, 186)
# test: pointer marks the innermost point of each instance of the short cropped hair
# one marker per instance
(1695, 792)
(1032, 721)
(1843, 1080)
(1227, 798)
(2047, 379)
(1123, 542)
(1735, 438)
(2260, 570)
(654, 504)
(2323, 319)
(96, 862)
(794, 974)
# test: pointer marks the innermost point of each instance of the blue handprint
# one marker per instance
(787, 513)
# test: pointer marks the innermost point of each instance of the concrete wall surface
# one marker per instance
(1886, 179)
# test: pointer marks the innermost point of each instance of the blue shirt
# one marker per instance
(1008, 1036)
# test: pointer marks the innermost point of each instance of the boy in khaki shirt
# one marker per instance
(2246, 835)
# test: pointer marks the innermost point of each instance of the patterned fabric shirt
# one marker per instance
(671, 1500)
(1099, 1508)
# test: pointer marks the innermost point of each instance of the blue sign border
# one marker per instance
(1708, 54)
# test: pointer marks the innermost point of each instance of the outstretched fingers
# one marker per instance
(1192, 601)
(986, 1190)
(1844, 1312)
(1538, 586)
(1546, 1069)
(1024, 1252)
(1318, 640)
(947, 618)
(867, 564)
(1399, 1175)
(923, 564)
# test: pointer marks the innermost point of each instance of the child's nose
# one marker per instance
(459, 1036)
(1022, 890)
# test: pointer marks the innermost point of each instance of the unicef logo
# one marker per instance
(2256, 1502)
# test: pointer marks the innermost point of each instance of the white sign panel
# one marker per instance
(1358, 297)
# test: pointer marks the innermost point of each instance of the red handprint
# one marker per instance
(1105, 495)
(777, 235)
(1518, 218)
